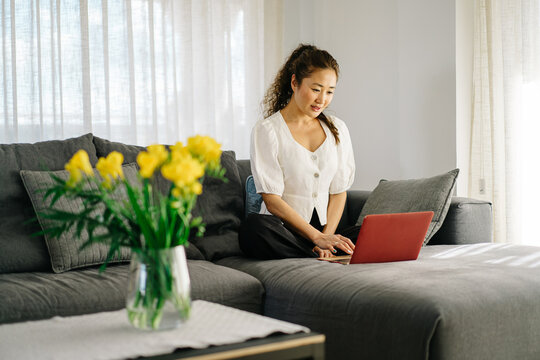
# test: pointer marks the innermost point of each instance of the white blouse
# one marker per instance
(303, 179)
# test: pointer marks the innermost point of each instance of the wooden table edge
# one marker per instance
(257, 349)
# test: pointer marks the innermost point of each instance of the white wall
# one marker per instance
(427, 87)
(397, 90)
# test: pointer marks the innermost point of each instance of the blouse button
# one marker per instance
(314, 195)
(314, 157)
(316, 175)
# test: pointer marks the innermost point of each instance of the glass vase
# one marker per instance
(158, 295)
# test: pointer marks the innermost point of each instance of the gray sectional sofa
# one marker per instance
(464, 298)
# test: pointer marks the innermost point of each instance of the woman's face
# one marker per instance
(315, 92)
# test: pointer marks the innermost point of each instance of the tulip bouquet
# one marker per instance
(144, 219)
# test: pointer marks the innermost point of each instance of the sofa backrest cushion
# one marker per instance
(221, 206)
(244, 169)
(19, 250)
(104, 147)
(130, 152)
(65, 251)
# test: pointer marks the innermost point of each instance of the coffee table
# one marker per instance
(213, 331)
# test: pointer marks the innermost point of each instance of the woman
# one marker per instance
(302, 164)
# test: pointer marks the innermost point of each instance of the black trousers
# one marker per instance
(267, 237)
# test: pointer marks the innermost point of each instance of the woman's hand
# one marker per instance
(322, 253)
(332, 241)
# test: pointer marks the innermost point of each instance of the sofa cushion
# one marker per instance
(429, 194)
(130, 152)
(38, 295)
(221, 206)
(226, 286)
(104, 147)
(477, 301)
(19, 250)
(41, 295)
(244, 169)
(64, 251)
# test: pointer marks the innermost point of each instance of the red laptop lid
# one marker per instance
(391, 237)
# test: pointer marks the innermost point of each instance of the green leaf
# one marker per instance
(141, 218)
(165, 221)
(146, 192)
(80, 228)
(113, 250)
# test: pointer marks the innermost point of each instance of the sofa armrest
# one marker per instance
(468, 221)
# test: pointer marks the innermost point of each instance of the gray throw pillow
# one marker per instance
(19, 250)
(64, 251)
(221, 205)
(428, 194)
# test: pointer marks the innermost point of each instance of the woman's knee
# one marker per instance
(254, 233)
(256, 224)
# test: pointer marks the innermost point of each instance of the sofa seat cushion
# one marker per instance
(455, 302)
(226, 286)
(41, 295)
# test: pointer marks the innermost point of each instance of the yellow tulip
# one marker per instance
(75, 175)
(159, 152)
(179, 151)
(182, 190)
(148, 164)
(196, 188)
(170, 171)
(179, 146)
(183, 172)
(77, 165)
(110, 168)
(176, 192)
(205, 148)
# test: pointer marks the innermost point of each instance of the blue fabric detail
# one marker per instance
(253, 200)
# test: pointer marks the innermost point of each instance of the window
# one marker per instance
(137, 71)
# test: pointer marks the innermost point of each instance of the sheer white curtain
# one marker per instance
(505, 148)
(139, 71)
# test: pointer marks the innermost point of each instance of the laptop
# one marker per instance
(388, 237)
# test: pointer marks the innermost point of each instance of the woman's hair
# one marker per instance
(303, 61)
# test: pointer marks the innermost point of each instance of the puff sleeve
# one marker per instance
(265, 167)
(344, 177)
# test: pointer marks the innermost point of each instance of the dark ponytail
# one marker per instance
(302, 62)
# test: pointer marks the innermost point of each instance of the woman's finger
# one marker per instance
(331, 247)
(347, 240)
(345, 247)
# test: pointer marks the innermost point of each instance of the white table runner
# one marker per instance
(109, 335)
